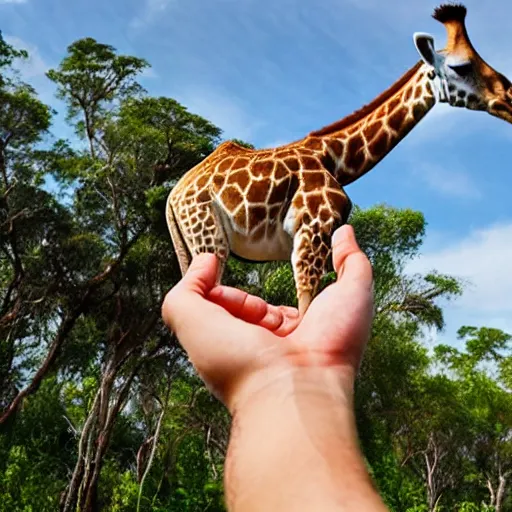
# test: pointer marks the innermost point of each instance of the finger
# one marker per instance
(201, 275)
(291, 321)
(252, 309)
(205, 330)
(178, 306)
(348, 259)
(239, 303)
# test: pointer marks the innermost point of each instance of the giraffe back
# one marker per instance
(250, 192)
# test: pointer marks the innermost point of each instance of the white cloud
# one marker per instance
(151, 10)
(484, 259)
(35, 65)
(13, 1)
(225, 112)
(447, 180)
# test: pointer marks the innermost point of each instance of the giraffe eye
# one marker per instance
(463, 70)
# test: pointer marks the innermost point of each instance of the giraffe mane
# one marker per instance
(364, 111)
(450, 12)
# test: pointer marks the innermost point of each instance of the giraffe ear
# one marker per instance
(425, 45)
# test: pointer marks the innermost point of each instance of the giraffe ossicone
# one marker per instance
(284, 203)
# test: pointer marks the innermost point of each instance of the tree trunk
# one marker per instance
(500, 493)
(82, 492)
(90, 133)
(65, 328)
(492, 494)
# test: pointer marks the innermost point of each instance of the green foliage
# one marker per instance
(36, 454)
(384, 232)
(94, 73)
(91, 77)
(8, 53)
(23, 118)
(242, 143)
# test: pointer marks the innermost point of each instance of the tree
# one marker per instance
(489, 403)
(117, 189)
(7, 55)
(24, 120)
(91, 77)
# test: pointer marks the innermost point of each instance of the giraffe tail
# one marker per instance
(180, 246)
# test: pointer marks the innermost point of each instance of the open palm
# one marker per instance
(234, 338)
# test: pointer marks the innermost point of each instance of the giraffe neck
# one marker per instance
(353, 146)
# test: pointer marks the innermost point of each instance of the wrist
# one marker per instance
(287, 382)
(298, 430)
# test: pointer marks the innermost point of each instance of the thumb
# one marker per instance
(199, 279)
(349, 262)
(201, 275)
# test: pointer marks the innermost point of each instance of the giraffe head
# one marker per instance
(459, 75)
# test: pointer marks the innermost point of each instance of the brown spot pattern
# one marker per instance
(336, 146)
(355, 156)
(203, 196)
(418, 111)
(379, 146)
(393, 104)
(257, 214)
(313, 202)
(279, 192)
(292, 164)
(231, 197)
(329, 163)
(310, 163)
(225, 165)
(240, 163)
(262, 167)
(397, 118)
(372, 130)
(313, 181)
(314, 143)
(241, 217)
(274, 211)
(219, 180)
(202, 181)
(280, 171)
(258, 191)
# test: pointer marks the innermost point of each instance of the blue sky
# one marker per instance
(270, 71)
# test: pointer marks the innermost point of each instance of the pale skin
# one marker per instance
(287, 382)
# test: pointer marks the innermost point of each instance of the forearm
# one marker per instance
(294, 447)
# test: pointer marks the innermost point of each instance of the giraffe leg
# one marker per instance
(180, 247)
(311, 250)
(202, 231)
(317, 215)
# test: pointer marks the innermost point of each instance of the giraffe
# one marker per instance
(284, 203)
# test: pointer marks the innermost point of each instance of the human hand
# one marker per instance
(239, 344)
